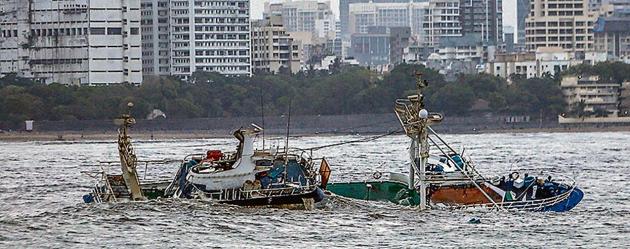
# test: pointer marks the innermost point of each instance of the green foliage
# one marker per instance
(342, 90)
(609, 71)
(536, 94)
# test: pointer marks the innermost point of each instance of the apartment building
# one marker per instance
(522, 10)
(380, 46)
(560, 23)
(210, 35)
(155, 37)
(78, 42)
(428, 21)
(344, 13)
(305, 16)
(483, 17)
(546, 60)
(273, 49)
(612, 36)
(596, 95)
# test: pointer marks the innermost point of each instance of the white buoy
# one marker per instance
(29, 125)
(424, 114)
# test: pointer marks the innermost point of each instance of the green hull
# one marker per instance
(394, 192)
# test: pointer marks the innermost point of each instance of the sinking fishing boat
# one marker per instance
(450, 179)
(249, 177)
(246, 177)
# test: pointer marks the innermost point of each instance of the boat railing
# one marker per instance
(109, 195)
(528, 205)
(240, 194)
(143, 170)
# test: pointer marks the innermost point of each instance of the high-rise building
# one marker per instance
(380, 46)
(443, 20)
(509, 38)
(305, 16)
(210, 35)
(344, 12)
(155, 37)
(335, 45)
(80, 42)
(428, 21)
(616, 8)
(560, 23)
(484, 17)
(522, 10)
(273, 49)
(612, 36)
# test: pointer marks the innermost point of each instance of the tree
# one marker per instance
(453, 99)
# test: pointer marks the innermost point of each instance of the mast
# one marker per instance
(262, 114)
(415, 120)
(422, 139)
(286, 144)
(128, 159)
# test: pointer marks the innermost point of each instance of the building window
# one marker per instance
(97, 31)
(114, 31)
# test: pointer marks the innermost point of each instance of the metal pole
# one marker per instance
(412, 172)
(424, 156)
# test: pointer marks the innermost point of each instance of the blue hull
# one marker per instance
(574, 198)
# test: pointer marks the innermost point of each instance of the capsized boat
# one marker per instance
(450, 179)
(246, 177)
(249, 177)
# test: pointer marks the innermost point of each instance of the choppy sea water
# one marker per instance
(41, 185)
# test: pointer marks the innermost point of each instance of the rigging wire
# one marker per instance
(363, 140)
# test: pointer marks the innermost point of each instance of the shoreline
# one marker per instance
(23, 136)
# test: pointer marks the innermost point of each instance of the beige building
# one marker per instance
(273, 48)
(77, 42)
(546, 60)
(593, 100)
(315, 17)
(597, 96)
(560, 23)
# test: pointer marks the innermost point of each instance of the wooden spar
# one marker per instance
(128, 160)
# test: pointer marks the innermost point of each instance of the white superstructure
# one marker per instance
(79, 42)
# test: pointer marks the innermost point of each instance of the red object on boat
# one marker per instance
(214, 155)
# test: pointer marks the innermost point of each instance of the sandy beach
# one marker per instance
(22, 136)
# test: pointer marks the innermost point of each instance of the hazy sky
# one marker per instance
(509, 10)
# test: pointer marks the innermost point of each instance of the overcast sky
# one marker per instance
(509, 10)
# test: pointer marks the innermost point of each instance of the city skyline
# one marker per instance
(509, 10)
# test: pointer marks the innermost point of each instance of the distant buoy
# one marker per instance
(474, 220)
(88, 198)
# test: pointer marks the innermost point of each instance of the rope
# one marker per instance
(368, 139)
